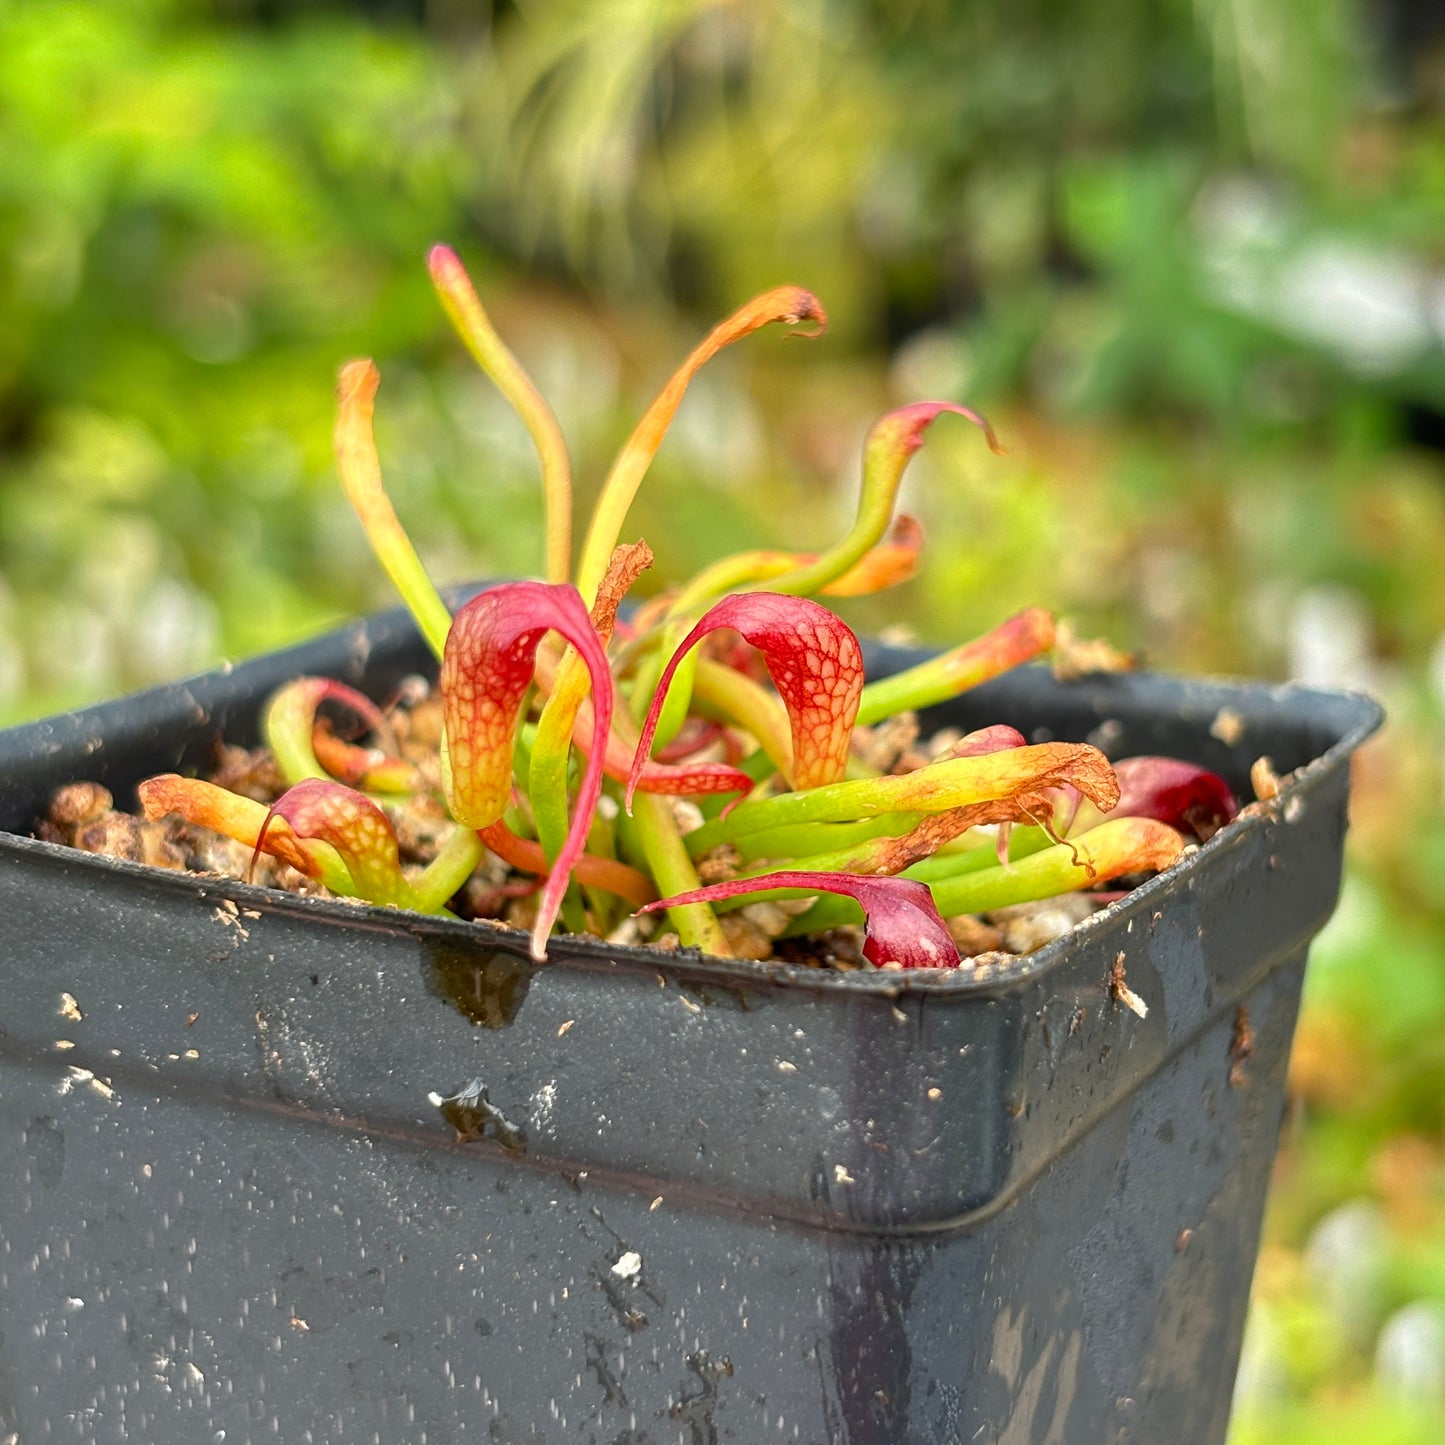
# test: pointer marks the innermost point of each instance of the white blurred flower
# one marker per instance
(1410, 1355)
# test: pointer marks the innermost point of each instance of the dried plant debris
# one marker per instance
(1120, 991)
(1078, 657)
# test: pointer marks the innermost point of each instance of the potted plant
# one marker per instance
(339, 1171)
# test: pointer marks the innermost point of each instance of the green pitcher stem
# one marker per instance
(672, 870)
(448, 871)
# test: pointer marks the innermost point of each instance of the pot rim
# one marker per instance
(989, 974)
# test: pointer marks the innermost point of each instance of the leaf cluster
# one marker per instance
(753, 691)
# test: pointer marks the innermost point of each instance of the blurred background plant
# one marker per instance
(1188, 254)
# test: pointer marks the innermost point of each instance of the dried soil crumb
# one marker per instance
(840, 948)
(1076, 657)
(78, 803)
(719, 865)
(973, 936)
(252, 772)
(1029, 926)
(1241, 1048)
(629, 1266)
(633, 931)
(885, 748)
(1264, 780)
(1228, 727)
(745, 938)
(81, 816)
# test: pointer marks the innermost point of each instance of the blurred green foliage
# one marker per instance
(1187, 252)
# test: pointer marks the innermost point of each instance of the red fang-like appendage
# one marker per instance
(488, 662)
(815, 662)
(903, 926)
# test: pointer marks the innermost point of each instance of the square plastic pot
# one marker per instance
(663, 1198)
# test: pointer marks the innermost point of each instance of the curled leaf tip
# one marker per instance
(209, 806)
(805, 307)
(305, 745)
(908, 423)
(788, 305)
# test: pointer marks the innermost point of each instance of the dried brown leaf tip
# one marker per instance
(627, 564)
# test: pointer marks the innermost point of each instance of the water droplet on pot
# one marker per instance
(487, 987)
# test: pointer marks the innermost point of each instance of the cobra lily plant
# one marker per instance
(751, 693)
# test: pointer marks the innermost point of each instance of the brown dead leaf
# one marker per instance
(628, 563)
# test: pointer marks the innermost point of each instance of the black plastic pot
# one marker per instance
(664, 1198)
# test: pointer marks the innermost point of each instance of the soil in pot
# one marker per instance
(83, 815)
